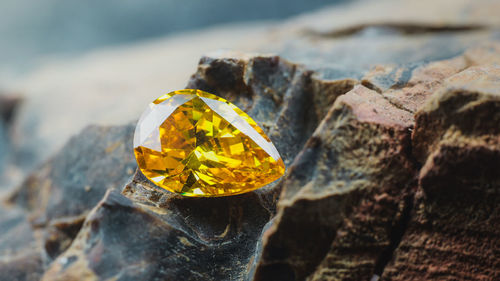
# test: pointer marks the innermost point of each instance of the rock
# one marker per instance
(453, 231)
(464, 107)
(27, 267)
(410, 86)
(70, 177)
(9, 104)
(200, 240)
(20, 253)
(58, 195)
(273, 91)
(392, 170)
(356, 167)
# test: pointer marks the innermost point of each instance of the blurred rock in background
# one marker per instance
(33, 29)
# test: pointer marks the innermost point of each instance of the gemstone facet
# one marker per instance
(198, 144)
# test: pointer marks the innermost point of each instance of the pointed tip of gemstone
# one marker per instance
(200, 145)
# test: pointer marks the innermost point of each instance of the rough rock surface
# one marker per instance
(454, 228)
(58, 196)
(344, 193)
(392, 175)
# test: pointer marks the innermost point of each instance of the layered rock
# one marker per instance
(345, 193)
(453, 231)
(392, 174)
(58, 196)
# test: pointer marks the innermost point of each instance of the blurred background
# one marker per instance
(32, 30)
(67, 64)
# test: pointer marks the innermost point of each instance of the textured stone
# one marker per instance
(273, 91)
(408, 87)
(26, 267)
(393, 167)
(69, 177)
(200, 239)
(462, 106)
(453, 232)
(20, 252)
(353, 175)
(57, 197)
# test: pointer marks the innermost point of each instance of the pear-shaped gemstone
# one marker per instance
(198, 144)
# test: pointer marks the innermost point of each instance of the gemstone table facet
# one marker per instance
(198, 144)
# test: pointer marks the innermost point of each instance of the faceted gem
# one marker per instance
(198, 144)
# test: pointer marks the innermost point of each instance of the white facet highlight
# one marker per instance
(147, 133)
(226, 112)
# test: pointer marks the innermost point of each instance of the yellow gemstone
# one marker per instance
(198, 144)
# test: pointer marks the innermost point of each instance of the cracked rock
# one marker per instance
(453, 231)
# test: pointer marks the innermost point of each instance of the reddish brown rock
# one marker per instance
(467, 105)
(344, 196)
(453, 233)
(409, 87)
